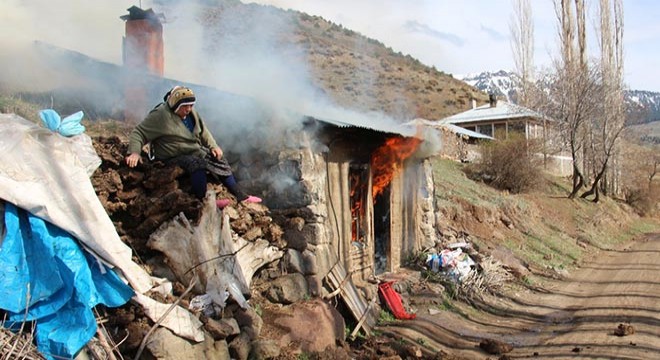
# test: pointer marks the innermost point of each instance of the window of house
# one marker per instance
(485, 129)
(517, 126)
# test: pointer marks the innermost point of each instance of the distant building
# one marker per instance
(498, 118)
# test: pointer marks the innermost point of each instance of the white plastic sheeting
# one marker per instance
(47, 174)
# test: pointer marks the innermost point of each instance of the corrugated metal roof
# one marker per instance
(373, 124)
(501, 111)
(453, 128)
(464, 131)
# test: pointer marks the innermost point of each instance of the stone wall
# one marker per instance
(307, 193)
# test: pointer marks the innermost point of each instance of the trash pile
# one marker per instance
(453, 261)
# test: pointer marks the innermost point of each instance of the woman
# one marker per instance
(178, 135)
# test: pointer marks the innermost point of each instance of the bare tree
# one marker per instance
(607, 127)
(588, 97)
(522, 34)
(570, 92)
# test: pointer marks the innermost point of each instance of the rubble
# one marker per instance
(154, 213)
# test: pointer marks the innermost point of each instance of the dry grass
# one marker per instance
(18, 345)
(489, 277)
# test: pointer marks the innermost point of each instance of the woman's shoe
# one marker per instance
(252, 199)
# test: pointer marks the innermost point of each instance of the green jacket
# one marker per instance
(169, 137)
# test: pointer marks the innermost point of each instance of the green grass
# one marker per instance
(386, 317)
(451, 183)
(548, 227)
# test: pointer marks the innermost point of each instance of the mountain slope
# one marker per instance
(352, 70)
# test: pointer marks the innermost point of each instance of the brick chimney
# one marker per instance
(143, 57)
(492, 99)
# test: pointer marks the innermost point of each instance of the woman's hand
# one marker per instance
(217, 152)
(133, 159)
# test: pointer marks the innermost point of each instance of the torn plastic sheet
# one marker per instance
(47, 174)
(46, 277)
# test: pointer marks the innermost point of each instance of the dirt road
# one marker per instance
(574, 318)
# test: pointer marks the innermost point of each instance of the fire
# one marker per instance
(388, 159)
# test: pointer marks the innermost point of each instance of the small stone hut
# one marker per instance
(357, 195)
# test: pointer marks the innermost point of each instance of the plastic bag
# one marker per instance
(69, 126)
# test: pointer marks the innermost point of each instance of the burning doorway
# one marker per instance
(360, 196)
(370, 235)
(382, 227)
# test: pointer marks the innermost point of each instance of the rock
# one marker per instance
(250, 322)
(624, 330)
(506, 221)
(294, 261)
(264, 349)
(510, 261)
(221, 329)
(164, 345)
(495, 347)
(288, 289)
(221, 350)
(315, 285)
(314, 325)
(239, 348)
(310, 263)
(294, 234)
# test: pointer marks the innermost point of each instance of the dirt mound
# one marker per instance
(139, 201)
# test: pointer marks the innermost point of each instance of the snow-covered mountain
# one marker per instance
(501, 83)
(644, 104)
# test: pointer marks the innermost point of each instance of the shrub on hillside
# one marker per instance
(510, 164)
(644, 200)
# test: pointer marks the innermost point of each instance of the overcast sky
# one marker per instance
(456, 36)
(471, 36)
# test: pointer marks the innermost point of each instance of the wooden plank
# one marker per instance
(342, 285)
(365, 316)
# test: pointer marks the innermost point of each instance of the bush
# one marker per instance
(644, 200)
(511, 164)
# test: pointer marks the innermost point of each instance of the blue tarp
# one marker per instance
(46, 277)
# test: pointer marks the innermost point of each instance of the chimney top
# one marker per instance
(136, 13)
(492, 99)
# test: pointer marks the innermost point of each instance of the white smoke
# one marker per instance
(91, 27)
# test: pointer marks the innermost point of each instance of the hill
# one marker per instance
(353, 70)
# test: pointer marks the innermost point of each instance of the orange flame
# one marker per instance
(388, 159)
